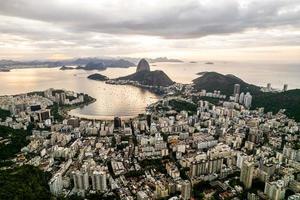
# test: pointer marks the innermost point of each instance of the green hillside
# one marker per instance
(25, 182)
(151, 78)
(211, 81)
(289, 100)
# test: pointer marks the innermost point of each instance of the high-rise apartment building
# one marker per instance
(236, 90)
(247, 173)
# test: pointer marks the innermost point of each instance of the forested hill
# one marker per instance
(25, 182)
(211, 81)
(289, 100)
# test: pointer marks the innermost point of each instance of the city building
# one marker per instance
(56, 184)
(185, 190)
(285, 87)
(117, 122)
(275, 190)
(99, 181)
(236, 90)
(248, 100)
(247, 173)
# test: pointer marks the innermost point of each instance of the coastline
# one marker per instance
(65, 110)
(157, 90)
(62, 110)
(160, 92)
(100, 118)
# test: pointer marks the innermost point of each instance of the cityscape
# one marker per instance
(84, 117)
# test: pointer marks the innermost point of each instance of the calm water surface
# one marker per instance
(258, 74)
(112, 100)
(128, 101)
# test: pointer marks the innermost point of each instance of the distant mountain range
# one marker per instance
(107, 62)
(89, 66)
(163, 59)
(23, 64)
(154, 60)
(93, 66)
(82, 62)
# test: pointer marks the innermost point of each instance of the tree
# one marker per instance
(25, 182)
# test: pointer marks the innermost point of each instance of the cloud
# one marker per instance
(168, 19)
(119, 27)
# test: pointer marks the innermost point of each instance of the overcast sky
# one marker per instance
(185, 29)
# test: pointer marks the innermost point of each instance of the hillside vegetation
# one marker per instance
(289, 100)
(151, 78)
(15, 140)
(4, 114)
(211, 81)
(25, 182)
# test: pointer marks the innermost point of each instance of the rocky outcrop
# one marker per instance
(98, 77)
(66, 68)
(145, 77)
(150, 78)
(143, 65)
